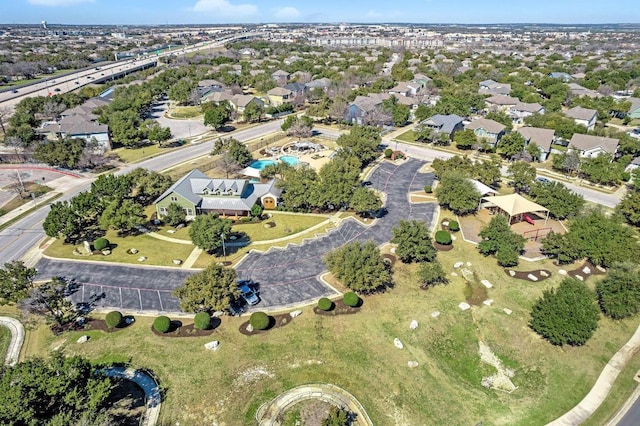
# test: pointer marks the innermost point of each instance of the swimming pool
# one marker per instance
(290, 160)
(261, 164)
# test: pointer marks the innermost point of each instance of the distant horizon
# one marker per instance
(229, 24)
(230, 12)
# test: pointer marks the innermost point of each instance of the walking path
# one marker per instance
(149, 386)
(603, 385)
(189, 261)
(17, 338)
(268, 414)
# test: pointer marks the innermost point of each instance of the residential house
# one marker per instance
(323, 83)
(578, 91)
(501, 103)
(240, 102)
(298, 91)
(522, 110)
(279, 95)
(583, 116)
(485, 128)
(592, 146)
(560, 76)
(361, 109)
(543, 138)
(197, 194)
(445, 124)
(634, 110)
(635, 164)
(490, 87)
(281, 77)
(217, 97)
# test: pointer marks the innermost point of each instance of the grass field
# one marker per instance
(185, 112)
(5, 338)
(408, 136)
(157, 252)
(131, 155)
(357, 353)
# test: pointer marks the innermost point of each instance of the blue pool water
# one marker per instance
(290, 160)
(261, 164)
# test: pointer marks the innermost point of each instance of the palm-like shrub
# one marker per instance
(101, 244)
(259, 320)
(113, 319)
(202, 320)
(443, 237)
(351, 299)
(162, 324)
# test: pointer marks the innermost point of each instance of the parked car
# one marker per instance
(57, 89)
(544, 180)
(247, 293)
(635, 133)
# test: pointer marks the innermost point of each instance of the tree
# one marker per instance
(567, 162)
(522, 174)
(499, 239)
(213, 289)
(629, 207)
(533, 150)
(602, 240)
(414, 242)
(207, 231)
(619, 292)
(50, 300)
(157, 133)
(125, 127)
(431, 273)
(110, 188)
(462, 165)
(147, 185)
(59, 390)
(337, 417)
(511, 144)
(16, 280)
(365, 201)
(217, 115)
(298, 186)
(567, 315)
(560, 200)
(65, 152)
(181, 91)
(361, 142)
(61, 221)
(602, 169)
(253, 112)
(424, 133)
(298, 127)
(235, 149)
(359, 266)
(337, 182)
(465, 139)
(457, 193)
(123, 215)
(487, 171)
(175, 214)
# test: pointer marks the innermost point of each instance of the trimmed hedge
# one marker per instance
(443, 237)
(454, 226)
(428, 189)
(325, 304)
(101, 244)
(202, 321)
(351, 299)
(113, 319)
(162, 324)
(388, 153)
(259, 320)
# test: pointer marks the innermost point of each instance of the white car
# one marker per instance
(635, 133)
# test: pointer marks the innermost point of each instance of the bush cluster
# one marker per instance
(454, 226)
(202, 320)
(428, 189)
(259, 320)
(443, 237)
(162, 324)
(101, 244)
(113, 319)
(351, 299)
(388, 153)
(325, 304)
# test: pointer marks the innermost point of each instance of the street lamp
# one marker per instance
(224, 248)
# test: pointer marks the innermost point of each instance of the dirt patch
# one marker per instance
(98, 324)
(277, 321)
(339, 308)
(585, 271)
(126, 404)
(475, 293)
(179, 330)
(308, 413)
(389, 259)
(525, 275)
(443, 247)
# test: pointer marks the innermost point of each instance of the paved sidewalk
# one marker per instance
(17, 338)
(193, 256)
(603, 385)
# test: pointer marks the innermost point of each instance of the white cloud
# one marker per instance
(287, 13)
(58, 2)
(225, 8)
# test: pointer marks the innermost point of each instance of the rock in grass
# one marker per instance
(413, 325)
(464, 306)
(398, 343)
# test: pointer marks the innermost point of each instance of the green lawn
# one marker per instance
(286, 225)
(132, 155)
(185, 112)
(408, 136)
(157, 252)
(5, 338)
(357, 353)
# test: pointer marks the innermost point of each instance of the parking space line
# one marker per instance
(120, 291)
(160, 299)
(140, 299)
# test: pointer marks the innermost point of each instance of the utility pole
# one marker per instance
(20, 180)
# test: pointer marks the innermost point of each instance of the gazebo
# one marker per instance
(514, 205)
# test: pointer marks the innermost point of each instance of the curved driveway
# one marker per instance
(286, 277)
(17, 338)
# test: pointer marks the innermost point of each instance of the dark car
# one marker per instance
(543, 180)
(14, 91)
(247, 293)
(57, 89)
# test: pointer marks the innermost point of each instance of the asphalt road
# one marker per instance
(632, 418)
(18, 238)
(285, 277)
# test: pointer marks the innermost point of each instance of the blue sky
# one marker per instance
(236, 11)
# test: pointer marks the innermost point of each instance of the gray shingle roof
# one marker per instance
(541, 137)
(580, 113)
(444, 123)
(588, 142)
(490, 126)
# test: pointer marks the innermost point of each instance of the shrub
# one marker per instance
(443, 237)
(100, 244)
(388, 153)
(202, 320)
(325, 304)
(428, 189)
(625, 176)
(454, 226)
(259, 320)
(162, 324)
(350, 299)
(113, 319)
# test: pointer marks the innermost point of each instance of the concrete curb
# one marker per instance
(17, 339)
(625, 408)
